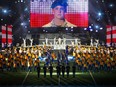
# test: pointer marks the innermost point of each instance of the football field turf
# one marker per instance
(82, 79)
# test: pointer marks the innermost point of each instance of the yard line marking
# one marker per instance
(92, 78)
(25, 77)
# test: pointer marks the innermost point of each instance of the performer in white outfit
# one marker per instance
(31, 42)
(55, 41)
(91, 44)
(59, 41)
(76, 41)
(24, 42)
(72, 42)
(97, 42)
(46, 39)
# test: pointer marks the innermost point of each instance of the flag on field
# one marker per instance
(110, 34)
(3, 35)
(41, 12)
(6, 35)
(9, 32)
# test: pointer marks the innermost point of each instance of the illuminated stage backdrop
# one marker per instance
(41, 12)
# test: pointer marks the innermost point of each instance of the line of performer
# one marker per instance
(62, 42)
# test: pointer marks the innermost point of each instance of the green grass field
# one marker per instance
(82, 79)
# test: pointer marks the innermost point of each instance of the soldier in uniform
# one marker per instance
(63, 70)
(38, 70)
(58, 70)
(59, 8)
(74, 69)
(51, 70)
(67, 69)
(45, 69)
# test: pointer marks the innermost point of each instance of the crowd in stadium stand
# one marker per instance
(85, 58)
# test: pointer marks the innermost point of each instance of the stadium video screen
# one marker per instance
(41, 12)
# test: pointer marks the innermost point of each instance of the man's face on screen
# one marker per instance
(59, 12)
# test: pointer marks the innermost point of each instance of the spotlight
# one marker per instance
(96, 26)
(96, 30)
(66, 28)
(99, 14)
(1, 19)
(85, 28)
(4, 11)
(91, 29)
(21, 0)
(101, 28)
(25, 26)
(28, 31)
(111, 5)
(71, 29)
(22, 24)
(89, 26)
